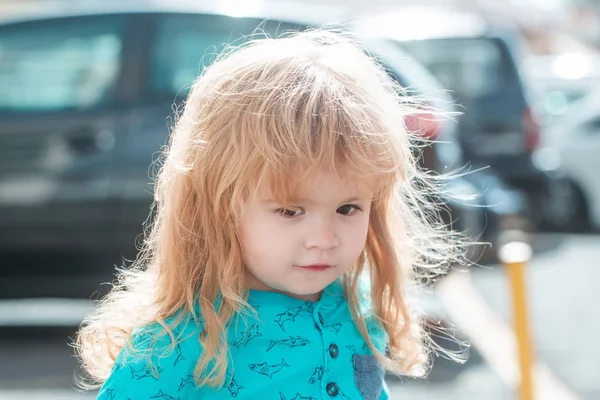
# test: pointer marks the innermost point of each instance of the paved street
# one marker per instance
(36, 363)
(563, 300)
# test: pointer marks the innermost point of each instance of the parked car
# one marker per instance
(481, 203)
(86, 96)
(574, 141)
(477, 61)
(559, 81)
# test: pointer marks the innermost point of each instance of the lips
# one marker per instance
(315, 267)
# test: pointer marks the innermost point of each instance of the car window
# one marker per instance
(557, 103)
(470, 67)
(184, 44)
(61, 64)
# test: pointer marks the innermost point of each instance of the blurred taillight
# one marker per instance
(423, 124)
(532, 130)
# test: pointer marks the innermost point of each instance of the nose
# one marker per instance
(322, 235)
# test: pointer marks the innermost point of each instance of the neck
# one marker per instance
(254, 284)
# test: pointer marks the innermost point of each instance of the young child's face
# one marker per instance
(328, 228)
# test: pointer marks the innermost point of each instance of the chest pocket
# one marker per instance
(368, 376)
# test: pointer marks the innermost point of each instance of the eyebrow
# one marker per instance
(307, 201)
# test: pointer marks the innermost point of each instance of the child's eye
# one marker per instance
(348, 209)
(288, 213)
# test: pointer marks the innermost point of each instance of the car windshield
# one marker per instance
(472, 68)
(54, 65)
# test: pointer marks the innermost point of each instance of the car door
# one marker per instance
(580, 151)
(61, 91)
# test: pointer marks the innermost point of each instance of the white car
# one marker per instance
(558, 82)
(574, 141)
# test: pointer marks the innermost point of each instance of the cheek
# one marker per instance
(261, 239)
(357, 236)
(364, 225)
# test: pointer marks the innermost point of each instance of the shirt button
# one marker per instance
(321, 319)
(333, 350)
(332, 389)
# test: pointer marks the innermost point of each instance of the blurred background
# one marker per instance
(87, 94)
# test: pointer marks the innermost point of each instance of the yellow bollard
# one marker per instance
(514, 256)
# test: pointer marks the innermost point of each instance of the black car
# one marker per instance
(478, 61)
(87, 97)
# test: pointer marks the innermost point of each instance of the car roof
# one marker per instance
(281, 10)
(428, 22)
(315, 15)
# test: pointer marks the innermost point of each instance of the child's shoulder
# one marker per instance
(159, 359)
(178, 333)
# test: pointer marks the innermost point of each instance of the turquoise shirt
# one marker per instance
(294, 350)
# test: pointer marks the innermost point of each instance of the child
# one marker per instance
(290, 215)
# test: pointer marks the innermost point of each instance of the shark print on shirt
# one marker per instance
(144, 371)
(291, 342)
(334, 328)
(180, 355)
(163, 396)
(317, 375)
(188, 380)
(268, 370)
(298, 397)
(268, 361)
(232, 386)
(291, 314)
(246, 336)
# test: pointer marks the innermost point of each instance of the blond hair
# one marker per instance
(306, 101)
